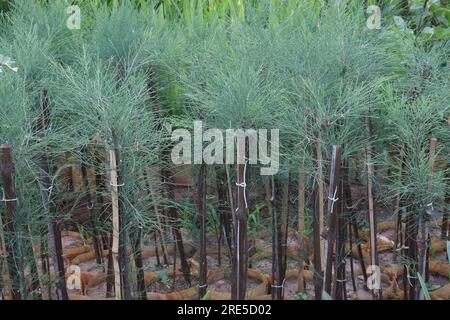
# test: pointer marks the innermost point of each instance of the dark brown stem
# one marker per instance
(347, 204)
(225, 208)
(318, 273)
(411, 243)
(89, 201)
(238, 286)
(424, 224)
(136, 239)
(339, 289)
(155, 203)
(54, 236)
(173, 215)
(10, 199)
(397, 213)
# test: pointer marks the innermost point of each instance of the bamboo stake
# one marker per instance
(301, 227)
(424, 223)
(371, 209)
(332, 209)
(116, 225)
(201, 204)
(123, 252)
(238, 287)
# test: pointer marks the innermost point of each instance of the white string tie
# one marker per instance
(7, 200)
(116, 185)
(243, 184)
(273, 189)
(408, 276)
(334, 199)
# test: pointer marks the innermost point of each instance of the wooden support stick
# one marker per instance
(123, 252)
(238, 287)
(116, 224)
(332, 209)
(371, 208)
